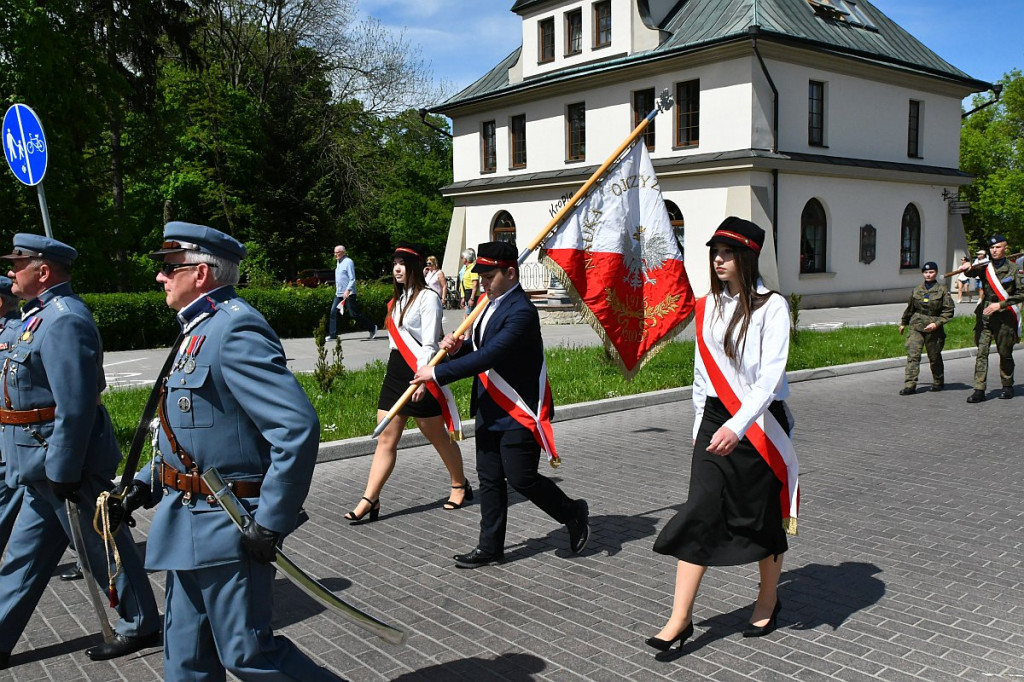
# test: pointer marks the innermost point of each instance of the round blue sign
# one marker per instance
(24, 144)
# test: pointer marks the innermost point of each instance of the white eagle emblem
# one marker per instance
(643, 253)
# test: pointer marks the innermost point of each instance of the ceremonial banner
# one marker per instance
(616, 253)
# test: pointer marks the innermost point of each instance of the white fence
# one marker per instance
(534, 277)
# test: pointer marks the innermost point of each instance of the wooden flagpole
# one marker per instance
(664, 104)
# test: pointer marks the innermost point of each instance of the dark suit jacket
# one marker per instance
(512, 346)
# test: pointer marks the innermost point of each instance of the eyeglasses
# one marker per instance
(169, 268)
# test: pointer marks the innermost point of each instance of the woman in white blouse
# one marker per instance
(414, 330)
(738, 508)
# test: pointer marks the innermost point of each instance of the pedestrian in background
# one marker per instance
(345, 295)
(469, 281)
(435, 278)
(739, 508)
(930, 307)
(963, 283)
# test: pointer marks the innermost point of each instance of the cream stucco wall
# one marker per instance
(866, 119)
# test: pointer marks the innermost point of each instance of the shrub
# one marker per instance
(143, 320)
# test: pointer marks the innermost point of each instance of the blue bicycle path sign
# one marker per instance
(24, 144)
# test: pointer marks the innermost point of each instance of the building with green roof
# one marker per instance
(821, 120)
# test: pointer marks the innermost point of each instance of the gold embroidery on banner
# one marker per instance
(650, 315)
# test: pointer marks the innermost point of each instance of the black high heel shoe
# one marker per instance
(373, 511)
(666, 644)
(761, 630)
(449, 505)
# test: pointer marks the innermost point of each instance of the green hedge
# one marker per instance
(134, 321)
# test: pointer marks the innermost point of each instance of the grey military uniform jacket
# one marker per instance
(233, 404)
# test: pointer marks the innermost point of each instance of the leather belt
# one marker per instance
(42, 414)
(192, 484)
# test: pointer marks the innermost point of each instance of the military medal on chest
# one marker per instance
(29, 326)
(186, 363)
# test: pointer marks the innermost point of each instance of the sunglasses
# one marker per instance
(169, 268)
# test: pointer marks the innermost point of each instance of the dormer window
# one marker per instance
(602, 23)
(573, 32)
(845, 11)
(546, 40)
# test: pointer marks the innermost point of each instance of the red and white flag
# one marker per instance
(616, 253)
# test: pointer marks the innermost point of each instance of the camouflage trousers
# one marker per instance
(1001, 328)
(933, 342)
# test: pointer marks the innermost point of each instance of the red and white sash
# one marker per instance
(407, 346)
(767, 436)
(538, 422)
(997, 287)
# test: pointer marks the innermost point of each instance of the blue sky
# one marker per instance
(463, 39)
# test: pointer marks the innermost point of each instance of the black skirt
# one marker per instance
(396, 382)
(732, 515)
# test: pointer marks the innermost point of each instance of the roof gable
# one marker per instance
(694, 24)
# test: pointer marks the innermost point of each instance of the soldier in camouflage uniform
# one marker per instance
(997, 318)
(929, 308)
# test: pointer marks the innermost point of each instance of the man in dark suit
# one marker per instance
(512, 405)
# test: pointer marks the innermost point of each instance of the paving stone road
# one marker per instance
(909, 564)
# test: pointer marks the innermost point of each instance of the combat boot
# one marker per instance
(976, 397)
(1007, 393)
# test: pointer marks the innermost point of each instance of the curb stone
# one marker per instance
(364, 445)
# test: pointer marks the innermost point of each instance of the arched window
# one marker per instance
(910, 238)
(813, 237)
(675, 217)
(504, 229)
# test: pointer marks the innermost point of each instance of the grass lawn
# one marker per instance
(576, 375)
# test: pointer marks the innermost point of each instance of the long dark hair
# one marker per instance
(414, 282)
(749, 298)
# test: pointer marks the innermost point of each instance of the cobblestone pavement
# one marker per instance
(908, 566)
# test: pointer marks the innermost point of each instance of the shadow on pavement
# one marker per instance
(292, 605)
(504, 668)
(75, 646)
(834, 593)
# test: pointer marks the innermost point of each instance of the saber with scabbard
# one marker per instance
(233, 508)
(81, 550)
(664, 104)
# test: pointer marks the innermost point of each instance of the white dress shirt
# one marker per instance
(492, 305)
(760, 363)
(422, 321)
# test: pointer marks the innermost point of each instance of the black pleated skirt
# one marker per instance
(395, 383)
(732, 515)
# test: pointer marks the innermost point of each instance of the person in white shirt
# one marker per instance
(435, 278)
(739, 506)
(414, 330)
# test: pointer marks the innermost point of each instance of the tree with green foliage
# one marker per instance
(992, 150)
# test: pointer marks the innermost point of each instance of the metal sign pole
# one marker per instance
(45, 210)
